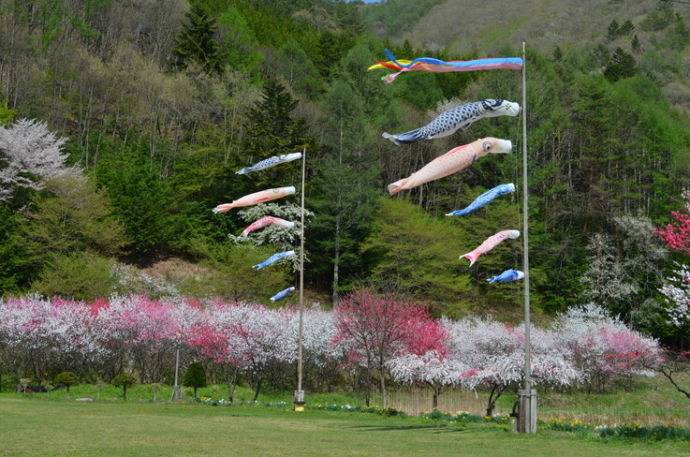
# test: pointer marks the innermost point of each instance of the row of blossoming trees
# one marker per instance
(368, 340)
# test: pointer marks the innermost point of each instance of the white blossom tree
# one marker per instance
(433, 368)
(29, 155)
(283, 239)
(494, 353)
(603, 347)
(677, 292)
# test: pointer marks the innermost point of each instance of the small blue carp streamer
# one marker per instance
(507, 276)
(273, 258)
(484, 199)
(280, 295)
(270, 162)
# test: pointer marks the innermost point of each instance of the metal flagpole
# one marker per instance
(299, 393)
(527, 397)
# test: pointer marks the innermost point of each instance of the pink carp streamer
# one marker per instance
(264, 221)
(491, 243)
(437, 65)
(256, 198)
(452, 161)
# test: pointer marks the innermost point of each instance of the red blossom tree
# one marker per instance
(374, 329)
(676, 235)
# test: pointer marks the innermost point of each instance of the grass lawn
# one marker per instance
(52, 428)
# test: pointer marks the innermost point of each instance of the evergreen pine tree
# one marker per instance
(621, 65)
(345, 181)
(195, 43)
(635, 44)
(194, 376)
(613, 30)
(272, 130)
(627, 28)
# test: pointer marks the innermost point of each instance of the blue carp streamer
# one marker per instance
(280, 295)
(273, 258)
(484, 199)
(507, 276)
(270, 162)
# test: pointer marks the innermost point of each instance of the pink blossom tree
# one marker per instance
(676, 235)
(215, 339)
(139, 330)
(43, 337)
(603, 347)
(245, 338)
(373, 329)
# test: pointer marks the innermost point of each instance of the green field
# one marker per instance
(52, 428)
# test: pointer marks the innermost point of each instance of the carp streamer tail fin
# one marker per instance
(405, 138)
(471, 256)
(397, 186)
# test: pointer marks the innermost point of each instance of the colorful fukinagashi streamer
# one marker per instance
(437, 65)
(270, 162)
(484, 199)
(280, 295)
(264, 221)
(459, 117)
(490, 243)
(454, 160)
(273, 258)
(256, 198)
(507, 276)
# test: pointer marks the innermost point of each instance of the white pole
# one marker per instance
(177, 394)
(527, 420)
(299, 393)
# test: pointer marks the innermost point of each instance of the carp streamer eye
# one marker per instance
(487, 145)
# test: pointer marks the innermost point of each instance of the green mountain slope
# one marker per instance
(485, 27)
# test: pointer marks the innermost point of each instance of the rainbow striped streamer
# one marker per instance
(437, 65)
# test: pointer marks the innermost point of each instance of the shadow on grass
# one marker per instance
(402, 428)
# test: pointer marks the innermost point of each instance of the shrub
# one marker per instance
(79, 276)
(124, 380)
(67, 379)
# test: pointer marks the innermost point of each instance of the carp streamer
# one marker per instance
(437, 65)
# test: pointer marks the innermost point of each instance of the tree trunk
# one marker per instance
(669, 375)
(232, 382)
(338, 208)
(336, 260)
(495, 394)
(384, 395)
(367, 393)
(258, 389)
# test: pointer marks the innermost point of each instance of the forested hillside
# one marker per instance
(654, 31)
(140, 113)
